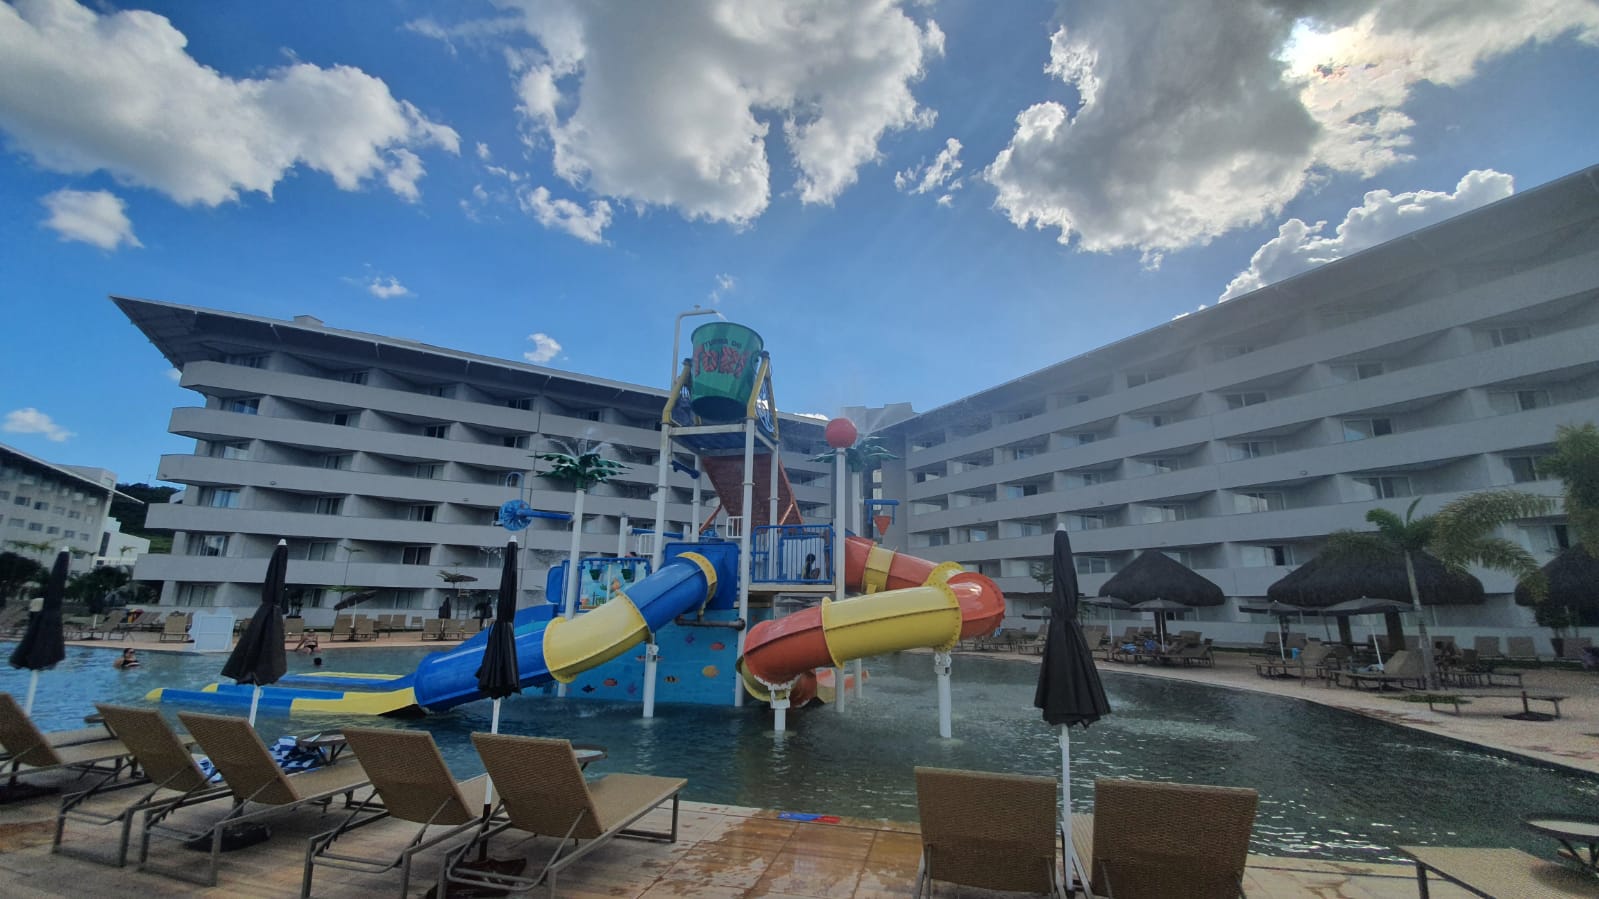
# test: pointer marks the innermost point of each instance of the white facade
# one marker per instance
(383, 462)
(46, 507)
(119, 549)
(1238, 437)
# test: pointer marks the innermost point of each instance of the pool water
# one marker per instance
(1333, 785)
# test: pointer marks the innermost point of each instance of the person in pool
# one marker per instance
(129, 659)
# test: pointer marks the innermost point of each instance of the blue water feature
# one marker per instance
(1333, 785)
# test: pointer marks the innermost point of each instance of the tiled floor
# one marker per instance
(722, 851)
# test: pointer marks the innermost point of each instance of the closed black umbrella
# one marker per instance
(1069, 691)
(258, 657)
(42, 644)
(498, 676)
(444, 609)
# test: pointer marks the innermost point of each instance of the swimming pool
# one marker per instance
(1333, 785)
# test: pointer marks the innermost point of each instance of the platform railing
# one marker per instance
(786, 553)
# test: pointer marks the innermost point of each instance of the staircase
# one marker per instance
(727, 479)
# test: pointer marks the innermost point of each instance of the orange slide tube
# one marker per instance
(946, 602)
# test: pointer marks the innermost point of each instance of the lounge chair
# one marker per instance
(293, 629)
(174, 781)
(253, 777)
(542, 791)
(1498, 872)
(27, 747)
(1487, 649)
(995, 831)
(433, 629)
(451, 630)
(1572, 648)
(472, 627)
(1521, 648)
(364, 629)
(1149, 839)
(413, 783)
(1196, 654)
(1402, 668)
(343, 626)
(57, 739)
(1310, 661)
(175, 629)
(416, 623)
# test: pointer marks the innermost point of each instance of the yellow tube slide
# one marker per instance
(892, 621)
(573, 646)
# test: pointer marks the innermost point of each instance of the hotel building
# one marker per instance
(48, 507)
(1235, 438)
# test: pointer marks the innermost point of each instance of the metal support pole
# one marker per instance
(621, 537)
(941, 666)
(840, 502)
(773, 469)
(652, 655)
(744, 547)
(661, 470)
(779, 712)
(569, 589)
(693, 533)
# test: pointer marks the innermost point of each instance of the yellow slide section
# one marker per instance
(573, 646)
(893, 621)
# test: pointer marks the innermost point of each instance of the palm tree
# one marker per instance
(1459, 534)
(867, 453)
(581, 469)
(1576, 461)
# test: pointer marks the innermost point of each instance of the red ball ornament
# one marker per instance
(841, 433)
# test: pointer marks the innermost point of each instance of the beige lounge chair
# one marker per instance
(27, 747)
(541, 790)
(1521, 648)
(1487, 649)
(175, 781)
(451, 630)
(1402, 668)
(253, 777)
(1157, 840)
(175, 629)
(995, 831)
(433, 629)
(343, 626)
(364, 629)
(293, 629)
(413, 783)
(58, 738)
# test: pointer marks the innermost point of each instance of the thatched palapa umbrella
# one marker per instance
(1573, 588)
(1155, 576)
(1324, 582)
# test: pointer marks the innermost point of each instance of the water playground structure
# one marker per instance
(697, 619)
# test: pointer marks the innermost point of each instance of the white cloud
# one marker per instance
(1201, 117)
(725, 284)
(82, 92)
(32, 421)
(565, 215)
(947, 200)
(96, 217)
(483, 152)
(670, 104)
(933, 176)
(387, 288)
(544, 349)
(1383, 216)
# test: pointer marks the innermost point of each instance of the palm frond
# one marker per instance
(1576, 462)
(1343, 545)
(1509, 556)
(1463, 522)
(1390, 525)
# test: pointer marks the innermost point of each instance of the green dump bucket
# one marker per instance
(726, 357)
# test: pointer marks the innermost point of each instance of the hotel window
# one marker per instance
(428, 471)
(1085, 522)
(1092, 565)
(1549, 538)
(336, 462)
(1251, 449)
(1029, 529)
(59, 510)
(514, 479)
(252, 361)
(514, 441)
(1181, 556)
(35, 526)
(1023, 452)
(329, 505)
(23, 500)
(219, 497)
(52, 530)
(321, 551)
(524, 403)
(74, 514)
(351, 377)
(1264, 501)
(71, 534)
(197, 595)
(1524, 469)
(1357, 371)
(239, 451)
(1140, 378)
(423, 512)
(1508, 335)
(407, 599)
(1366, 428)
(16, 523)
(1082, 439)
(433, 390)
(344, 419)
(937, 539)
(244, 405)
(208, 544)
(1233, 352)
(5, 495)
(1017, 491)
(416, 555)
(1508, 401)
(1250, 398)
(437, 431)
(1278, 554)
(1381, 488)
(1165, 512)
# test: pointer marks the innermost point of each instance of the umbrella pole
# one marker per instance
(1376, 650)
(33, 687)
(1074, 865)
(652, 655)
(488, 791)
(255, 700)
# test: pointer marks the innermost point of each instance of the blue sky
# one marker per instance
(911, 201)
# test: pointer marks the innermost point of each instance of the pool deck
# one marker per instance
(722, 851)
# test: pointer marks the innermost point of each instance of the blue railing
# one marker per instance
(786, 553)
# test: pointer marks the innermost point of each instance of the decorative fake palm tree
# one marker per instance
(1459, 534)
(867, 453)
(582, 470)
